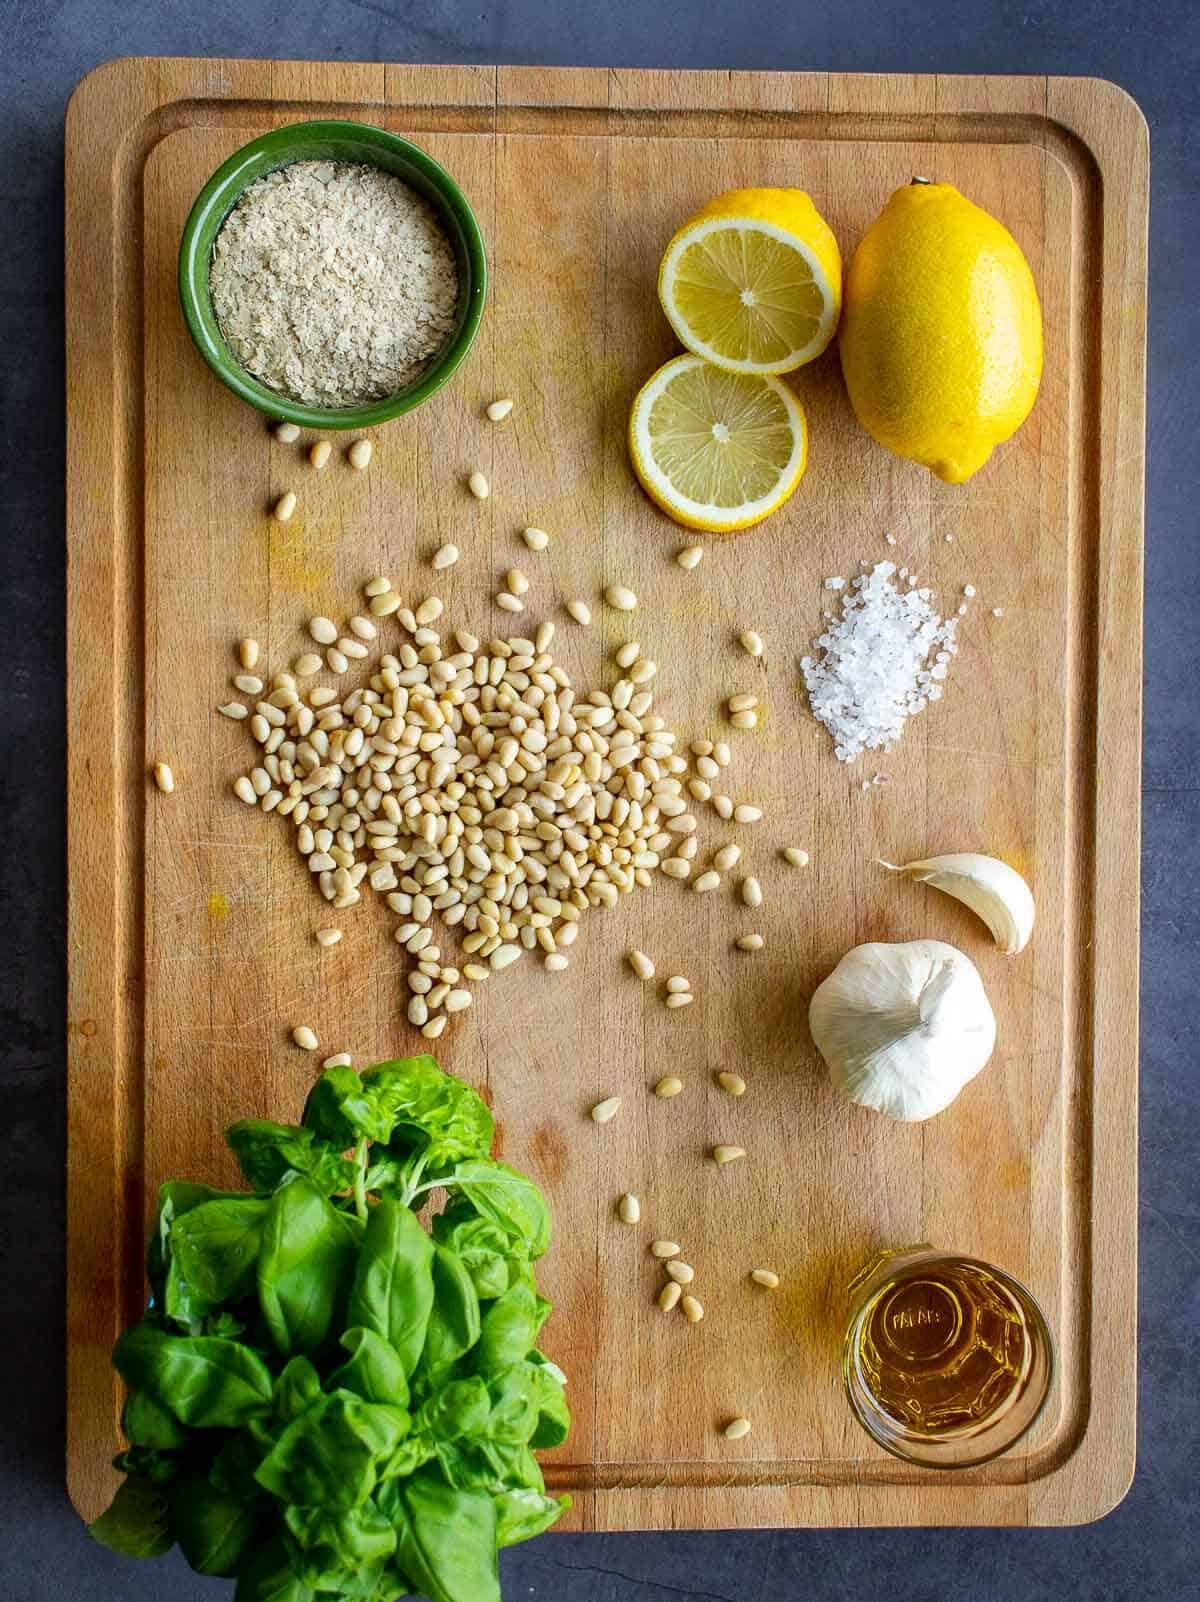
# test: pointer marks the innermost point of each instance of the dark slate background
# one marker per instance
(1149, 1548)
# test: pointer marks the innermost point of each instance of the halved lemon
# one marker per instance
(753, 282)
(717, 451)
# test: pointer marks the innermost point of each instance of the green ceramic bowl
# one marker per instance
(329, 141)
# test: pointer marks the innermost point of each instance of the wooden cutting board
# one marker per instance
(191, 919)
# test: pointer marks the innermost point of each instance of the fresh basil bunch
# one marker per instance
(324, 1400)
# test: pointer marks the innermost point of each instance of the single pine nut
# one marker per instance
(707, 768)
(689, 556)
(664, 1248)
(742, 703)
(692, 1310)
(434, 1027)
(287, 433)
(743, 720)
(765, 1278)
(706, 881)
(794, 855)
(502, 956)
(733, 1084)
(499, 410)
(626, 655)
(727, 1154)
(335, 661)
(676, 867)
(727, 857)
(234, 710)
(751, 891)
(340, 1059)
(668, 1086)
(723, 806)
(479, 486)
(458, 1000)
(306, 665)
(285, 506)
(430, 609)
(328, 937)
(641, 964)
(509, 603)
(554, 961)
(629, 1209)
(376, 586)
(245, 791)
(164, 778)
(536, 538)
(363, 628)
(385, 603)
(736, 1429)
(475, 971)
(745, 812)
(248, 653)
(606, 1109)
(580, 611)
(359, 454)
(319, 453)
(620, 598)
(700, 789)
(677, 984)
(668, 1297)
(445, 557)
(749, 942)
(304, 1037)
(322, 630)
(516, 581)
(751, 642)
(543, 637)
(680, 998)
(682, 1273)
(248, 684)
(722, 753)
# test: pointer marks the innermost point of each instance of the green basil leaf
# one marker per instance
(175, 1198)
(326, 1110)
(373, 1370)
(328, 1456)
(304, 1266)
(149, 1463)
(205, 1382)
(269, 1577)
(457, 1410)
(414, 1451)
(145, 1422)
(454, 1322)
(509, 1199)
(344, 1551)
(515, 1397)
(232, 1469)
(213, 1528)
(393, 1286)
(523, 1514)
(487, 1252)
(297, 1388)
(135, 1524)
(267, 1151)
(214, 1248)
(509, 1329)
(446, 1538)
(554, 1416)
(422, 1107)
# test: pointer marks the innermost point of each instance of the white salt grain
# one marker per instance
(872, 673)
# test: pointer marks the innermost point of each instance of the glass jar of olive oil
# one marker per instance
(948, 1361)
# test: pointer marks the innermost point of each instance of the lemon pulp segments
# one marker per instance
(716, 449)
(748, 293)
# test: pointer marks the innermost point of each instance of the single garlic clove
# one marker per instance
(993, 890)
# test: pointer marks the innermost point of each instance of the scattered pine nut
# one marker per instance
(535, 538)
(727, 1154)
(640, 963)
(629, 1209)
(434, 1027)
(360, 453)
(336, 661)
(248, 653)
(554, 962)
(626, 655)
(997, 611)
(693, 1311)
(689, 556)
(507, 602)
(751, 642)
(376, 586)
(668, 1086)
(736, 1429)
(304, 1037)
(444, 557)
(580, 611)
(751, 891)
(385, 603)
(501, 958)
(457, 1001)
(479, 486)
(727, 857)
(742, 703)
(722, 753)
(680, 998)
(164, 778)
(499, 410)
(287, 433)
(245, 791)
(723, 806)
(284, 507)
(323, 630)
(746, 812)
(543, 638)
(732, 1084)
(620, 598)
(606, 1109)
(765, 1278)
(340, 1059)
(234, 710)
(743, 720)
(676, 984)
(706, 881)
(319, 453)
(794, 855)
(668, 1297)
(328, 937)
(749, 942)
(682, 1273)
(306, 665)
(516, 581)
(248, 684)
(676, 867)
(664, 1248)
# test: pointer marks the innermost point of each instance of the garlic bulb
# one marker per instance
(985, 884)
(903, 1027)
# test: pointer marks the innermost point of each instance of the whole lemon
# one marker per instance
(941, 331)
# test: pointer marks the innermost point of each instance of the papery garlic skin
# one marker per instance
(993, 890)
(903, 1027)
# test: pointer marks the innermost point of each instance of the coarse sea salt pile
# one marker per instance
(881, 662)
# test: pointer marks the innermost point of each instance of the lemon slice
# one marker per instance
(716, 450)
(753, 282)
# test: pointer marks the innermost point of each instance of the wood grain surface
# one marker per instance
(191, 917)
